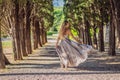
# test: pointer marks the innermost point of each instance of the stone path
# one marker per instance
(44, 65)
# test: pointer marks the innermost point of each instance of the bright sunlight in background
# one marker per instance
(58, 16)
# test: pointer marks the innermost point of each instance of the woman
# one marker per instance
(71, 53)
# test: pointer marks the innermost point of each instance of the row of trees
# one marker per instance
(90, 16)
(26, 21)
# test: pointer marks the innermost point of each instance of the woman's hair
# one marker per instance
(63, 29)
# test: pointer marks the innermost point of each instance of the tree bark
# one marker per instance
(38, 33)
(87, 32)
(101, 38)
(23, 31)
(117, 16)
(17, 32)
(45, 36)
(35, 39)
(112, 47)
(101, 32)
(95, 38)
(2, 60)
(42, 32)
(112, 40)
(28, 29)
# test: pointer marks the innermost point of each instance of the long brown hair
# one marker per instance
(63, 29)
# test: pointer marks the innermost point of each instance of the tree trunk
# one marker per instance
(45, 36)
(23, 31)
(35, 35)
(13, 44)
(81, 34)
(112, 40)
(117, 15)
(101, 32)
(38, 33)
(95, 38)
(17, 32)
(101, 38)
(28, 29)
(112, 31)
(84, 39)
(35, 39)
(2, 60)
(87, 30)
(41, 34)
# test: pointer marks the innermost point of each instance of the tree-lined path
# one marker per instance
(43, 64)
(30, 25)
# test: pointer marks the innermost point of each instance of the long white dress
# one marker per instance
(72, 53)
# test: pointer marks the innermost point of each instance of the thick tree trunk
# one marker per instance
(112, 40)
(101, 39)
(38, 34)
(28, 29)
(35, 41)
(2, 60)
(42, 31)
(23, 42)
(117, 15)
(112, 47)
(17, 32)
(12, 34)
(101, 32)
(35, 34)
(23, 31)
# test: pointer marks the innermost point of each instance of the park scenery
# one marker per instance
(29, 30)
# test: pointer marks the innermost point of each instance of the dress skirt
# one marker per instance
(72, 53)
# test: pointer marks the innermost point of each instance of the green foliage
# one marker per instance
(49, 33)
(95, 12)
(58, 18)
(44, 9)
(1, 1)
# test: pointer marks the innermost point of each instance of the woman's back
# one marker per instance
(64, 34)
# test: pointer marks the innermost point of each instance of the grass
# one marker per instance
(7, 44)
(50, 33)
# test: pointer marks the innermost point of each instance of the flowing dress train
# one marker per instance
(72, 53)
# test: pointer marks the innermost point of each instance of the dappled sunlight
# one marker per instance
(30, 30)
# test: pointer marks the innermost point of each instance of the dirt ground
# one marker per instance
(43, 64)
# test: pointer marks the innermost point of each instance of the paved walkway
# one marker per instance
(44, 65)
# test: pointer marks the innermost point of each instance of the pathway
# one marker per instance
(44, 65)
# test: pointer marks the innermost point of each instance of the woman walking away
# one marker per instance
(71, 53)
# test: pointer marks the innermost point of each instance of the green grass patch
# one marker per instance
(7, 44)
(50, 33)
